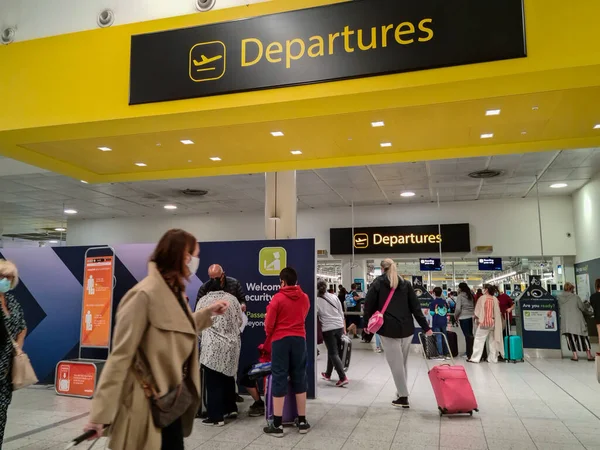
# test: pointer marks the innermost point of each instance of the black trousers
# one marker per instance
(220, 394)
(172, 436)
(333, 342)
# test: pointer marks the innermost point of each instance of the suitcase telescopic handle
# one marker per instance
(444, 337)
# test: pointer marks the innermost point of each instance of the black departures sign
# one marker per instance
(345, 40)
(402, 239)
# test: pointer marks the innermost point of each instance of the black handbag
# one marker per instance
(171, 406)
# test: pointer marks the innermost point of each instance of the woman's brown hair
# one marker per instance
(597, 284)
(169, 257)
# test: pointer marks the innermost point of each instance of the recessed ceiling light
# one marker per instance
(189, 160)
(296, 152)
(215, 158)
(558, 185)
(140, 164)
(60, 229)
(377, 124)
(158, 144)
(170, 207)
(492, 112)
(105, 149)
(276, 133)
(487, 135)
(83, 181)
(535, 108)
(186, 142)
(53, 242)
(523, 132)
(70, 211)
(597, 126)
(407, 194)
(386, 144)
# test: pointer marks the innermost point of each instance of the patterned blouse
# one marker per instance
(220, 344)
(15, 324)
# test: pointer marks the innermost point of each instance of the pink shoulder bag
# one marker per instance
(376, 320)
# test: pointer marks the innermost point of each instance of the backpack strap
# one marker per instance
(387, 302)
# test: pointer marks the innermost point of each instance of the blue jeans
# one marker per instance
(441, 342)
(377, 341)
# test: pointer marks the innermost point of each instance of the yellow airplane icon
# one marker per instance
(204, 61)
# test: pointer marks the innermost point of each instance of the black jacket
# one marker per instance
(232, 286)
(398, 318)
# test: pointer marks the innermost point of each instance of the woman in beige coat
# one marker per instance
(154, 323)
(488, 322)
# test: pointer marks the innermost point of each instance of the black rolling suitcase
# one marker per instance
(452, 342)
(346, 351)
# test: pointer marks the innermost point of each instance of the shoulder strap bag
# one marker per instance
(171, 406)
(376, 320)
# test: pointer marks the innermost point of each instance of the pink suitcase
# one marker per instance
(451, 387)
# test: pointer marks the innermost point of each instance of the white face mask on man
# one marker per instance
(193, 264)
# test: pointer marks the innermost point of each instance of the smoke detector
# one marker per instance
(106, 18)
(194, 192)
(8, 35)
(486, 174)
(204, 5)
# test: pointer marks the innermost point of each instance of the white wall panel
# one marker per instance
(586, 205)
(41, 18)
(510, 225)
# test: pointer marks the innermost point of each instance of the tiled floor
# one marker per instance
(541, 404)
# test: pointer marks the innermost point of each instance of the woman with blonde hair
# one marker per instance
(149, 391)
(398, 325)
(572, 322)
(13, 328)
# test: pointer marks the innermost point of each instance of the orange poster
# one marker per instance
(75, 379)
(97, 302)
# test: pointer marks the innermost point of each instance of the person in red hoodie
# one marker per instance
(286, 336)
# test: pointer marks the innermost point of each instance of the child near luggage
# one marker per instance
(286, 335)
(438, 308)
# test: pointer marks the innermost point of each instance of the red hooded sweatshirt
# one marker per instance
(286, 314)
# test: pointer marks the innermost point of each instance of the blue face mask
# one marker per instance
(4, 285)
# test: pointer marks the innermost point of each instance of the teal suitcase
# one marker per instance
(513, 348)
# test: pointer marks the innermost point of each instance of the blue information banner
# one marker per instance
(256, 264)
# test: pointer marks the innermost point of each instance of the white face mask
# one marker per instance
(193, 264)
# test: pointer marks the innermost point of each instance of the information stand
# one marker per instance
(78, 378)
(539, 317)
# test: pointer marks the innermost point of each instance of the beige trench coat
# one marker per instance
(150, 319)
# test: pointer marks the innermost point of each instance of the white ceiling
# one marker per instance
(32, 199)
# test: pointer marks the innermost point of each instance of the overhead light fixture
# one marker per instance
(215, 158)
(487, 135)
(492, 112)
(70, 211)
(141, 164)
(296, 152)
(558, 185)
(535, 108)
(170, 207)
(105, 149)
(276, 133)
(53, 242)
(60, 229)
(407, 194)
(83, 181)
(501, 277)
(386, 144)
(523, 133)
(186, 142)
(597, 126)
(377, 124)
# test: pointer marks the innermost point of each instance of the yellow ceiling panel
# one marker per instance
(444, 130)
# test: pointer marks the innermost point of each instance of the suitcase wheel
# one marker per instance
(471, 413)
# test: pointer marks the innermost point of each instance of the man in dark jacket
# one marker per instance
(229, 285)
(398, 326)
